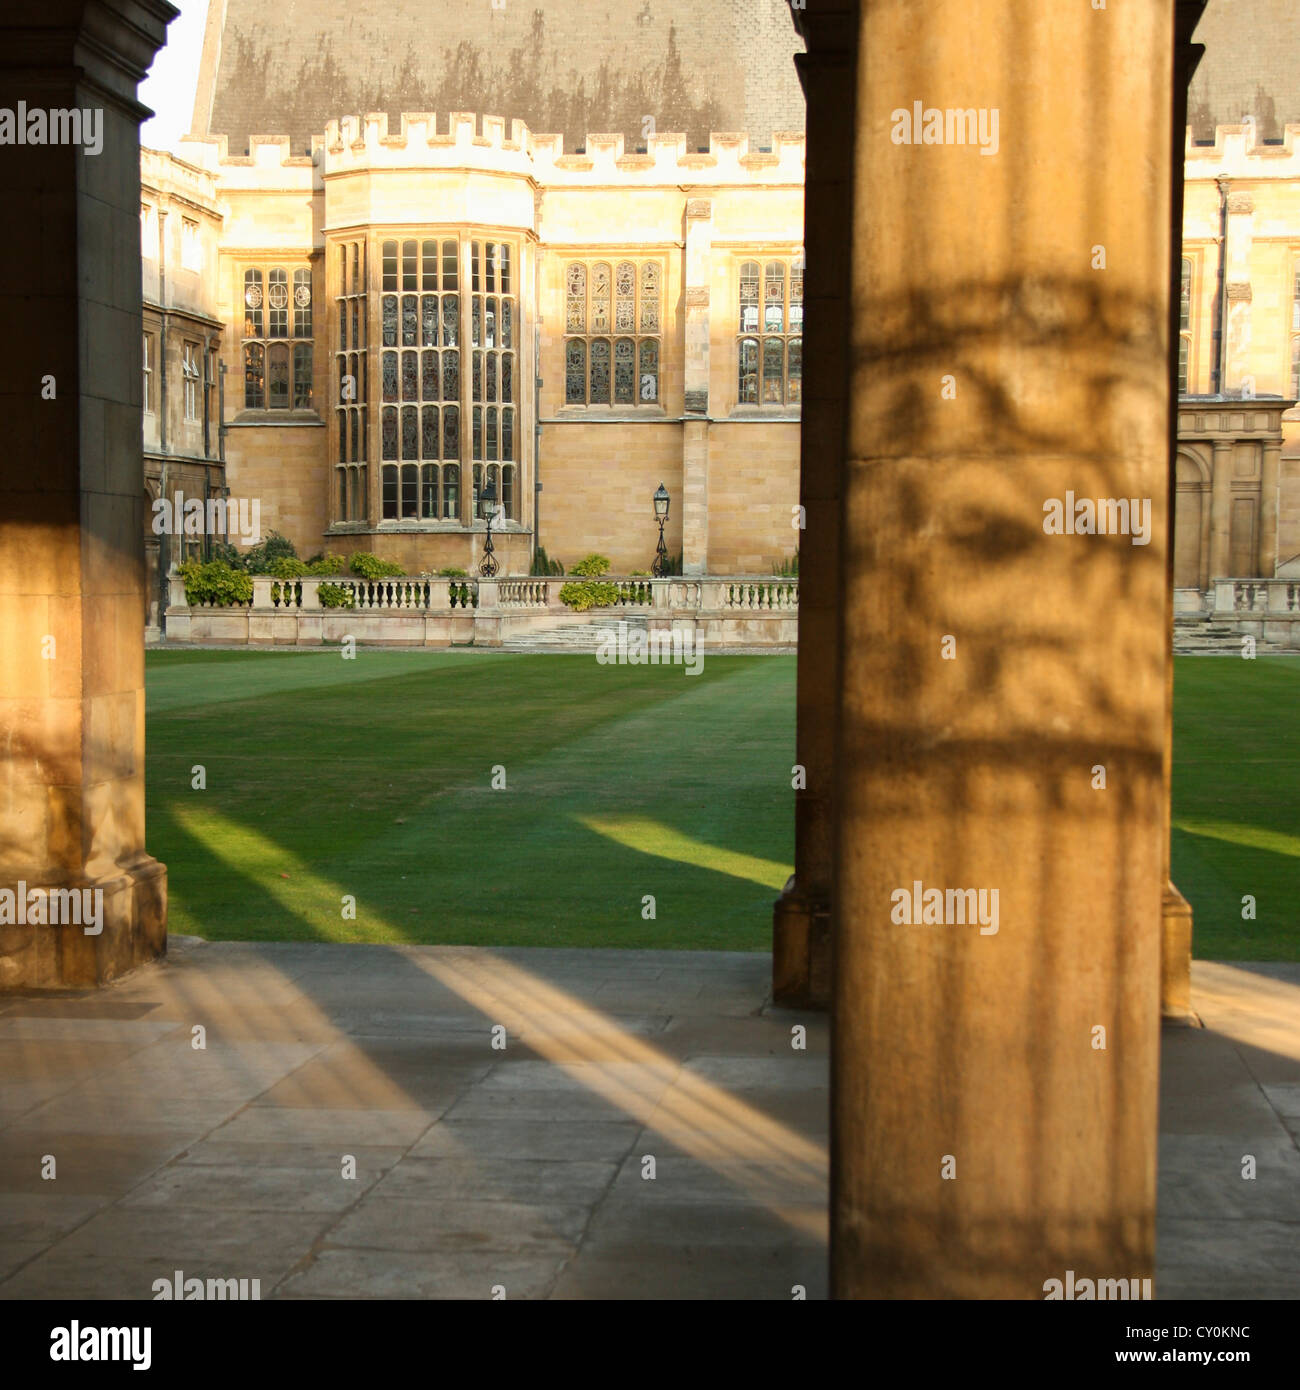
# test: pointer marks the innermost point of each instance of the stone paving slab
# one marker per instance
(522, 1167)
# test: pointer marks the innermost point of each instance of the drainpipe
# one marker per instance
(537, 442)
(162, 331)
(1221, 293)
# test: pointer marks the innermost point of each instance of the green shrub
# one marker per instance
(325, 564)
(274, 547)
(591, 594)
(336, 596)
(789, 569)
(215, 582)
(286, 567)
(230, 555)
(451, 572)
(639, 574)
(593, 566)
(543, 566)
(372, 567)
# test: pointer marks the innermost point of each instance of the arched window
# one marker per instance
(410, 492)
(624, 372)
(410, 432)
(277, 377)
(749, 297)
(748, 386)
(774, 298)
(508, 491)
(575, 314)
(600, 293)
(599, 371)
(648, 387)
(254, 376)
(575, 372)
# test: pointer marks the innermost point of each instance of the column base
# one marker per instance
(133, 930)
(801, 951)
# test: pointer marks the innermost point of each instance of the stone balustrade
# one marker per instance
(414, 610)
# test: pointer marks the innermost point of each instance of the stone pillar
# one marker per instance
(695, 433)
(1272, 453)
(72, 596)
(801, 918)
(1175, 910)
(986, 1136)
(1220, 507)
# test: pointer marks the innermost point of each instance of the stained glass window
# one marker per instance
(600, 371)
(650, 297)
(575, 372)
(575, 317)
(625, 300)
(600, 291)
(410, 432)
(649, 383)
(624, 372)
(748, 387)
(429, 377)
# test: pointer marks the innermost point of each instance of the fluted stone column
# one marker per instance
(72, 596)
(994, 1091)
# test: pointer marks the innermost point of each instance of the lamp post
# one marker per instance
(660, 566)
(488, 500)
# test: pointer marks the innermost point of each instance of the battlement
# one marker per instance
(1236, 153)
(464, 140)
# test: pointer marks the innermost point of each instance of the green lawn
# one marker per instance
(373, 778)
(1236, 801)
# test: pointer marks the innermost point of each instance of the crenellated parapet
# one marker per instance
(463, 140)
(1238, 154)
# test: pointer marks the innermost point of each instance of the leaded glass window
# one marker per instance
(624, 300)
(278, 310)
(769, 343)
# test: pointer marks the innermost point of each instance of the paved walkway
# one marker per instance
(643, 1128)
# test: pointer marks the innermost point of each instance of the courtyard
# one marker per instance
(501, 1077)
(373, 778)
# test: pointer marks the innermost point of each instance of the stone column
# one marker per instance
(801, 918)
(695, 432)
(1176, 911)
(1220, 507)
(1272, 453)
(994, 1084)
(72, 596)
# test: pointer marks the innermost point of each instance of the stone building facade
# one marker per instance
(181, 387)
(415, 317)
(1238, 482)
